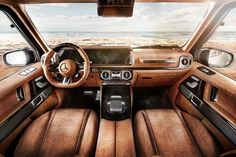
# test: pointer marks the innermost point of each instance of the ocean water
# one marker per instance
(223, 37)
(161, 35)
(133, 39)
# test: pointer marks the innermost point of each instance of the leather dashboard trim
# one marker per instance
(138, 68)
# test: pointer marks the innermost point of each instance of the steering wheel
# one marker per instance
(67, 68)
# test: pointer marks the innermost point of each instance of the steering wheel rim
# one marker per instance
(46, 65)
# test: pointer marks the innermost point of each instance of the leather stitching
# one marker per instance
(188, 131)
(81, 132)
(150, 132)
(52, 115)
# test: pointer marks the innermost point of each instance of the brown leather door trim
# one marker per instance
(9, 104)
(9, 125)
(8, 95)
(16, 80)
(215, 118)
(225, 105)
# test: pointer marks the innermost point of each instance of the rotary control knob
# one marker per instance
(105, 75)
(126, 75)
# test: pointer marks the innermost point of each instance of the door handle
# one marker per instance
(20, 94)
(214, 94)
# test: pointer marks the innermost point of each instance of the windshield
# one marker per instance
(165, 24)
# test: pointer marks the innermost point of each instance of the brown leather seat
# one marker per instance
(60, 133)
(166, 133)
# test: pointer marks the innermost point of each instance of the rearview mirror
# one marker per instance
(115, 8)
(215, 58)
(19, 57)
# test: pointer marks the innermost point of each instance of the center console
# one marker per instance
(116, 94)
(115, 136)
(116, 101)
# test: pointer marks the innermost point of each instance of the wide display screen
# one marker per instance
(110, 56)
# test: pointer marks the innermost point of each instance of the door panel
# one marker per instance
(224, 104)
(8, 93)
(186, 106)
(9, 104)
(16, 80)
(50, 103)
(20, 95)
(213, 101)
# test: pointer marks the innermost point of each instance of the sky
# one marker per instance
(147, 17)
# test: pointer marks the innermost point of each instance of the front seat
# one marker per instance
(60, 133)
(166, 133)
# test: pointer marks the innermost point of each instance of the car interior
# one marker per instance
(117, 78)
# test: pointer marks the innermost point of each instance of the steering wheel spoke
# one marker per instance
(80, 67)
(53, 68)
(67, 80)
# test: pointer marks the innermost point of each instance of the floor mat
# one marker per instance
(88, 98)
(150, 98)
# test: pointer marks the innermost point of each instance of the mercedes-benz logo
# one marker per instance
(64, 67)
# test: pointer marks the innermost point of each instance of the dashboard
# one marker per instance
(139, 67)
(102, 56)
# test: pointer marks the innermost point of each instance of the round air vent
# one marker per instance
(126, 75)
(185, 61)
(105, 75)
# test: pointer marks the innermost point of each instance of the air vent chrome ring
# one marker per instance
(105, 75)
(126, 75)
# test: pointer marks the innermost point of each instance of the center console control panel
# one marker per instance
(116, 102)
(122, 75)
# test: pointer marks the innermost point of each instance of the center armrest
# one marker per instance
(115, 138)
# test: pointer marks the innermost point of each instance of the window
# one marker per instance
(165, 24)
(223, 46)
(10, 40)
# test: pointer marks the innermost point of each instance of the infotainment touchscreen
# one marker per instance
(110, 56)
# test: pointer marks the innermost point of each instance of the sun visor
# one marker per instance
(115, 8)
